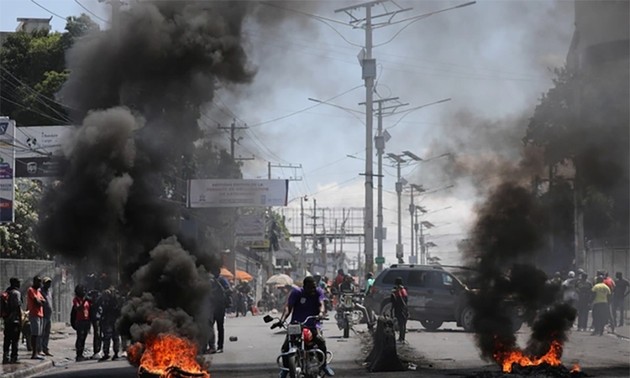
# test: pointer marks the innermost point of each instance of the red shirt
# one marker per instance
(83, 308)
(34, 307)
(610, 283)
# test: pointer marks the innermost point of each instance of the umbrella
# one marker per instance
(227, 274)
(242, 275)
(280, 280)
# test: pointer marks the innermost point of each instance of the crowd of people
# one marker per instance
(94, 311)
(603, 297)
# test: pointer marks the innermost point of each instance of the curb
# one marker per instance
(29, 371)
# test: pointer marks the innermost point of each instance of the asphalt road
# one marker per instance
(448, 352)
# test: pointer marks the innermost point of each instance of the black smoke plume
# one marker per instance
(136, 91)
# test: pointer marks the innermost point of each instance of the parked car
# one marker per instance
(435, 295)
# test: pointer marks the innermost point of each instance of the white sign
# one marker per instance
(38, 150)
(250, 228)
(7, 169)
(237, 193)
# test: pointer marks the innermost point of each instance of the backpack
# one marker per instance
(220, 294)
(4, 304)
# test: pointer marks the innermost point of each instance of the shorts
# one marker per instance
(37, 325)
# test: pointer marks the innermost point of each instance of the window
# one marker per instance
(391, 276)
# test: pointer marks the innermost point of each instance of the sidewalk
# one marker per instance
(61, 346)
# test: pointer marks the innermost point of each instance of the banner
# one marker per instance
(7, 165)
(38, 151)
(237, 193)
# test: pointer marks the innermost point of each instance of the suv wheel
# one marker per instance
(466, 318)
(431, 325)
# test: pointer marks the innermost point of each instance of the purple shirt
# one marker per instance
(305, 305)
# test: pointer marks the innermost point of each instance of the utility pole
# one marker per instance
(368, 65)
(413, 256)
(379, 141)
(269, 209)
(234, 140)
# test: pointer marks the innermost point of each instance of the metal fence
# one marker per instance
(63, 282)
(611, 260)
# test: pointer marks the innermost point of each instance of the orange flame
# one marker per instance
(506, 358)
(576, 368)
(166, 351)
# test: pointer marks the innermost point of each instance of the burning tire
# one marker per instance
(431, 325)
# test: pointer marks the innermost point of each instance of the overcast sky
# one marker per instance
(493, 59)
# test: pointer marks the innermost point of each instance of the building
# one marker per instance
(28, 25)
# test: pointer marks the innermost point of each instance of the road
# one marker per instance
(446, 352)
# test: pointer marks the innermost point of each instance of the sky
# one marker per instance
(492, 59)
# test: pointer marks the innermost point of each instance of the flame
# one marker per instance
(507, 357)
(164, 352)
(576, 368)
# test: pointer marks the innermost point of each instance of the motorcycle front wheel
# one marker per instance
(291, 365)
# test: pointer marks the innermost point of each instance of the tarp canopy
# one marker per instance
(226, 273)
(243, 276)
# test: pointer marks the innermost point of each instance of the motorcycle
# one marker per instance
(305, 359)
(350, 311)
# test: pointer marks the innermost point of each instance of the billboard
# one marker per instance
(38, 151)
(237, 193)
(7, 165)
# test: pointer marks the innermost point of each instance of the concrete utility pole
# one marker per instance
(380, 140)
(412, 210)
(368, 65)
(400, 183)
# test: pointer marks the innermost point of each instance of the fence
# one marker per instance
(611, 260)
(63, 282)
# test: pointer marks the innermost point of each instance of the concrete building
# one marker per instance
(27, 25)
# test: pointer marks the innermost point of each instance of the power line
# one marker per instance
(48, 10)
(90, 12)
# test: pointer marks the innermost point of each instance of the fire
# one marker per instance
(506, 358)
(165, 354)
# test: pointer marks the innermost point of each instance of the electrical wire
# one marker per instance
(90, 12)
(305, 109)
(48, 10)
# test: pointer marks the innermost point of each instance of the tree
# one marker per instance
(32, 70)
(17, 238)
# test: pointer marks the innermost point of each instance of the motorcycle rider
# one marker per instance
(303, 302)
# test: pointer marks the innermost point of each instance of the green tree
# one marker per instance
(32, 70)
(17, 238)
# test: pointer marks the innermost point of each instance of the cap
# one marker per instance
(571, 274)
(46, 279)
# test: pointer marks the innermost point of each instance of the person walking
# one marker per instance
(12, 317)
(601, 309)
(81, 320)
(584, 297)
(35, 306)
(619, 294)
(108, 312)
(94, 297)
(46, 292)
(399, 310)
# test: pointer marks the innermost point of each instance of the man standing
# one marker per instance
(622, 288)
(80, 320)
(220, 295)
(583, 288)
(46, 292)
(35, 306)
(108, 312)
(303, 302)
(12, 317)
(369, 281)
(399, 307)
(601, 309)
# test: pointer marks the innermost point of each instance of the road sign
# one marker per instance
(380, 260)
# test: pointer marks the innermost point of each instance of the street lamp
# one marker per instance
(426, 225)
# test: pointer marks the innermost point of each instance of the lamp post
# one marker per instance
(412, 211)
(426, 225)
